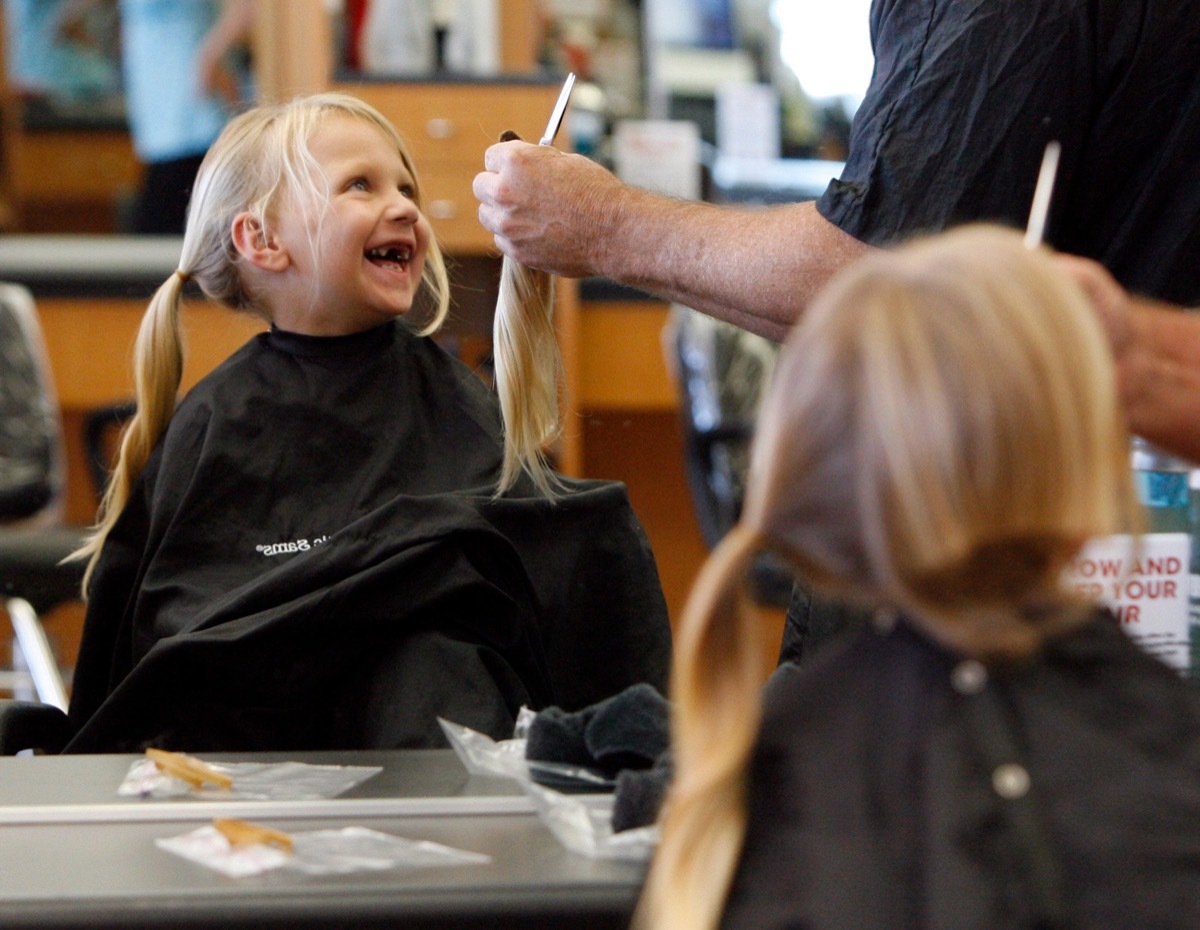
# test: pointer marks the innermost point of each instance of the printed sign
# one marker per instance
(1146, 585)
(659, 155)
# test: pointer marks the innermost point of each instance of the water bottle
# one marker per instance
(1194, 576)
(1161, 481)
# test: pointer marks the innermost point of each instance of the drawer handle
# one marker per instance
(440, 128)
(442, 209)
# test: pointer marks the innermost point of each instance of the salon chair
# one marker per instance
(720, 371)
(34, 541)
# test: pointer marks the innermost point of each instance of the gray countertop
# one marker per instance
(89, 265)
(110, 873)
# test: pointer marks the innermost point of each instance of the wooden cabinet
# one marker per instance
(70, 180)
(447, 127)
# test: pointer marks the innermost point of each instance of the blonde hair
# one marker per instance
(528, 374)
(261, 157)
(941, 437)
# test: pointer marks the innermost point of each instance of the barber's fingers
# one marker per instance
(486, 212)
(484, 187)
(1108, 298)
(496, 156)
(490, 219)
(501, 155)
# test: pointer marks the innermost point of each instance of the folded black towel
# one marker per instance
(639, 794)
(626, 736)
(557, 736)
(629, 730)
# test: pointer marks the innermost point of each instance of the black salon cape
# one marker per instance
(312, 559)
(872, 803)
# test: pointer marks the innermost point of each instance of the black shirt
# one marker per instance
(966, 94)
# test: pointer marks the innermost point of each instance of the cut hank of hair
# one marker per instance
(528, 371)
(188, 768)
(245, 833)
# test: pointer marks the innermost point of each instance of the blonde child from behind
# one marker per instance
(941, 437)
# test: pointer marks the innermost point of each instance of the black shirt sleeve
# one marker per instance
(964, 97)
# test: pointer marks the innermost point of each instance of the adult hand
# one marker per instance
(1157, 351)
(219, 80)
(213, 73)
(1111, 302)
(550, 210)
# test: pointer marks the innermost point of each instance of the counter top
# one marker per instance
(72, 872)
(98, 265)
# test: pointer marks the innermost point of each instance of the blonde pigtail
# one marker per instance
(716, 682)
(528, 373)
(158, 371)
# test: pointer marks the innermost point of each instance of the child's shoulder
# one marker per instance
(437, 361)
(231, 370)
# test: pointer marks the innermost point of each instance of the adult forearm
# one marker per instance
(232, 26)
(569, 216)
(1159, 377)
(758, 269)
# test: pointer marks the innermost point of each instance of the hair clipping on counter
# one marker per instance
(187, 768)
(244, 833)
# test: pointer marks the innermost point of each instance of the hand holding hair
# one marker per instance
(547, 208)
(528, 370)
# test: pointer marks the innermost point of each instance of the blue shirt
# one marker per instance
(169, 115)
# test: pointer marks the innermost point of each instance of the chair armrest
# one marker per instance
(27, 725)
(100, 428)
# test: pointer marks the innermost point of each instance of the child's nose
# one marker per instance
(403, 208)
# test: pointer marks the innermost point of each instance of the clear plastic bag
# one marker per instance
(583, 824)
(355, 849)
(317, 852)
(252, 781)
(482, 755)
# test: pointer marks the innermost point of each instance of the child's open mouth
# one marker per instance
(398, 256)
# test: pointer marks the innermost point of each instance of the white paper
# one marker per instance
(748, 121)
(659, 155)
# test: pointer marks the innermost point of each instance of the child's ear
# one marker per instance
(257, 245)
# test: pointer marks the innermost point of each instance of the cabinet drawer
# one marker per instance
(70, 165)
(451, 207)
(456, 122)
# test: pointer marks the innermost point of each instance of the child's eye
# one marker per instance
(408, 191)
(358, 184)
